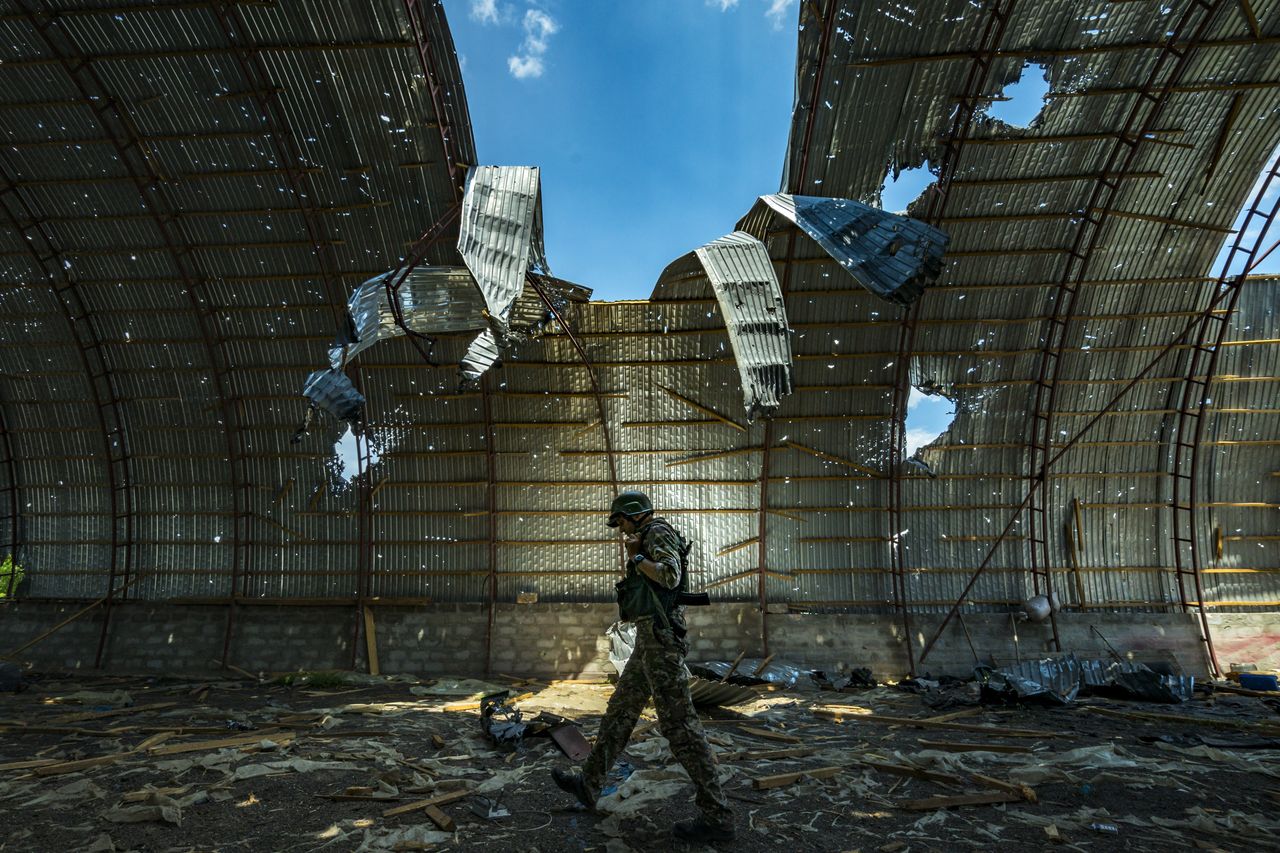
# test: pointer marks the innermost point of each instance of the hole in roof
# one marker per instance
(345, 463)
(897, 193)
(1022, 100)
(1268, 263)
(929, 415)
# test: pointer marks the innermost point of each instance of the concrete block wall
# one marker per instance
(568, 640)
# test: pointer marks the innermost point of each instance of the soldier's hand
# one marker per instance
(633, 545)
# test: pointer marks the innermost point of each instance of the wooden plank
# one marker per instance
(948, 746)
(839, 715)
(733, 667)
(768, 755)
(932, 803)
(440, 819)
(764, 782)
(475, 706)
(764, 664)
(82, 764)
(1025, 792)
(911, 772)
(371, 641)
(438, 800)
(27, 765)
(275, 735)
(115, 712)
(1148, 716)
(155, 740)
(768, 735)
(955, 715)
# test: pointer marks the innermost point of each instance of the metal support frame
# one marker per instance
(13, 495)
(491, 532)
(825, 13)
(1188, 439)
(135, 155)
(1166, 72)
(103, 389)
(258, 86)
(984, 58)
(1173, 345)
(449, 138)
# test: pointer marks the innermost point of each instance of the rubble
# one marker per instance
(875, 768)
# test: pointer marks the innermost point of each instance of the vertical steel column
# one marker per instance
(824, 14)
(290, 157)
(452, 142)
(13, 496)
(979, 73)
(1202, 367)
(491, 531)
(112, 424)
(146, 176)
(1139, 123)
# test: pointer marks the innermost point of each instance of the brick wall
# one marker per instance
(568, 640)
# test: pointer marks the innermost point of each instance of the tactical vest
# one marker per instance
(639, 597)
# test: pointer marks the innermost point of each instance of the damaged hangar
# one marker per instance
(180, 246)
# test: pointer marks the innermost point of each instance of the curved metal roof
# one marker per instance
(193, 189)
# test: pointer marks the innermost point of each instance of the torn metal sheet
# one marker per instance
(777, 674)
(1055, 681)
(1135, 680)
(438, 300)
(331, 390)
(893, 256)
(741, 274)
(500, 240)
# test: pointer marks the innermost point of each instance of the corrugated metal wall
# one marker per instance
(377, 183)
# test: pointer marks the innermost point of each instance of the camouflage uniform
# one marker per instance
(656, 669)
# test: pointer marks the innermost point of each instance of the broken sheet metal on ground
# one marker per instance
(893, 256)
(506, 727)
(705, 691)
(1059, 680)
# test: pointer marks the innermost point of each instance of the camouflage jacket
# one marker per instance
(660, 542)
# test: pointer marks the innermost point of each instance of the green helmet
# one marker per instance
(629, 504)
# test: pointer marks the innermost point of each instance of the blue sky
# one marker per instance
(656, 124)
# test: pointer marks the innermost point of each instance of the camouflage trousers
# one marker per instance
(656, 669)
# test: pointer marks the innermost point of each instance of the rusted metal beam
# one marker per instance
(14, 497)
(259, 86)
(135, 155)
(1140, 124)
(1195, 404)
(491, 520)
(1037, 53)
(97, 368)
(994, 26)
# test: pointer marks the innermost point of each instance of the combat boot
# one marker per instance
(573, 783)
(702, 831)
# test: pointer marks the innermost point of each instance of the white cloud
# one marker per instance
(484, 11)
(539, 27)
(522, 67)
(918, 438)
(723, 5)
(777, 11)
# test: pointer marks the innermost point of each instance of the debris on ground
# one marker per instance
(147, 765)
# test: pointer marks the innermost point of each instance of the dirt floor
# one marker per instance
(316, 769)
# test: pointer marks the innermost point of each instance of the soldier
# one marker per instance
(655, 577)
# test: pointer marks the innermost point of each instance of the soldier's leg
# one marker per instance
(679, 723)
(625, 705)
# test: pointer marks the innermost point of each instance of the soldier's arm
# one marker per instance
(663, 563)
